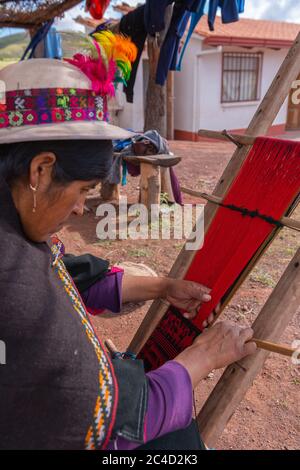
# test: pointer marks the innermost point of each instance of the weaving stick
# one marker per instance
(274, 347)
(240, 139)
(110, 346)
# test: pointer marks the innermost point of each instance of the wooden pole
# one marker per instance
(286, 221)
(282, 349)
(150, 184)
(276, 314)
(170, 106)
(241, 139)
(259, 125)
(110, 192)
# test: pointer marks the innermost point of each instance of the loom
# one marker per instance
(264, 190)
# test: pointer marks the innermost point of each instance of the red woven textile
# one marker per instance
(269, 181)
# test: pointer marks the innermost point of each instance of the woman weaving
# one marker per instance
(59, 388)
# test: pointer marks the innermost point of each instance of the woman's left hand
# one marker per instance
(187, 296)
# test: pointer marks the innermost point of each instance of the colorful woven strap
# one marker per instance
(51, 105)
(100, 430)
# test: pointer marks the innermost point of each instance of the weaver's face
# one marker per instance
(55, 202)
(54, 207)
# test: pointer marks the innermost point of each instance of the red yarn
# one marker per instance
(269, 181)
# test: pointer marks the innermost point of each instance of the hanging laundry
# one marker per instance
(150, 19)
(52, 44)
(230, 10)
(182, 12)
(36, 39)
(97, 8)
(155, 15)
(133, 25)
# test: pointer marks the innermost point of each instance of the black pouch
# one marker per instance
(133, 399)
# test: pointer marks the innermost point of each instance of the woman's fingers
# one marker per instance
(199, 292)
(246, 334)
(250, 348)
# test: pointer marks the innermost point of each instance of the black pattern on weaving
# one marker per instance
(247, 212)
(173, 334)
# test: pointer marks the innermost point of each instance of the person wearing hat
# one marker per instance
(59, 387)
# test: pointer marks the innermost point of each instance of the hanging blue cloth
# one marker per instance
(196, 15)
(52, 44)
(36, 39)
(230, 10)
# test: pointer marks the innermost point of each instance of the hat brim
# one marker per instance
(73, 130)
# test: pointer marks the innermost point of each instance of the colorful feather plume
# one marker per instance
(107, 61)
(119, 49)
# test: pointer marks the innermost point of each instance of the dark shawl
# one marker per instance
(49, 384)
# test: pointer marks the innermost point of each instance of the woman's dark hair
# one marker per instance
(83, 160)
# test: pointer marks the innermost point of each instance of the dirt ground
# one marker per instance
(268, 417)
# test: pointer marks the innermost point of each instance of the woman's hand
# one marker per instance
(188, 296)
(217, 347)
(185, 295)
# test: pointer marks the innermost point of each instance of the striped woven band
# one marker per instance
(51, 105)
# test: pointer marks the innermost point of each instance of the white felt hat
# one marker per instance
(20, 84)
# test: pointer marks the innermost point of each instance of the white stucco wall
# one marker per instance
(197, 95)
(185, 89)
(132, 114)
(198, 90)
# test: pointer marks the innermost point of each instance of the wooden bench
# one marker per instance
(154, 179)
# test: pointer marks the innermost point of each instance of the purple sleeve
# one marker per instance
(105, 294)
(170, 403)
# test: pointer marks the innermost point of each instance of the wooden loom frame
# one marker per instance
(270, 323)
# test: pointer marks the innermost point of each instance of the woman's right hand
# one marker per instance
(217, 347)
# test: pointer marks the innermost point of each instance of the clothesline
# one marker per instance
(149, 19)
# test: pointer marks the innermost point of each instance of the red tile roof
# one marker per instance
(249, 32)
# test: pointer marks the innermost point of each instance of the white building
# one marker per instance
(224, 76)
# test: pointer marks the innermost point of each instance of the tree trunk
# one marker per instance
(156, 101)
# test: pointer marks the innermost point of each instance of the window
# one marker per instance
(240, 76)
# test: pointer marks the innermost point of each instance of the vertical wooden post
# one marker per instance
(166, 184)
(237, 379)
(110, 192)
(150, 185)
(259, 125)
(170, 106)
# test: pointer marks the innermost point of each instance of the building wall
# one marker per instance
(131, 116)
(198, 104)
(197, 94)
